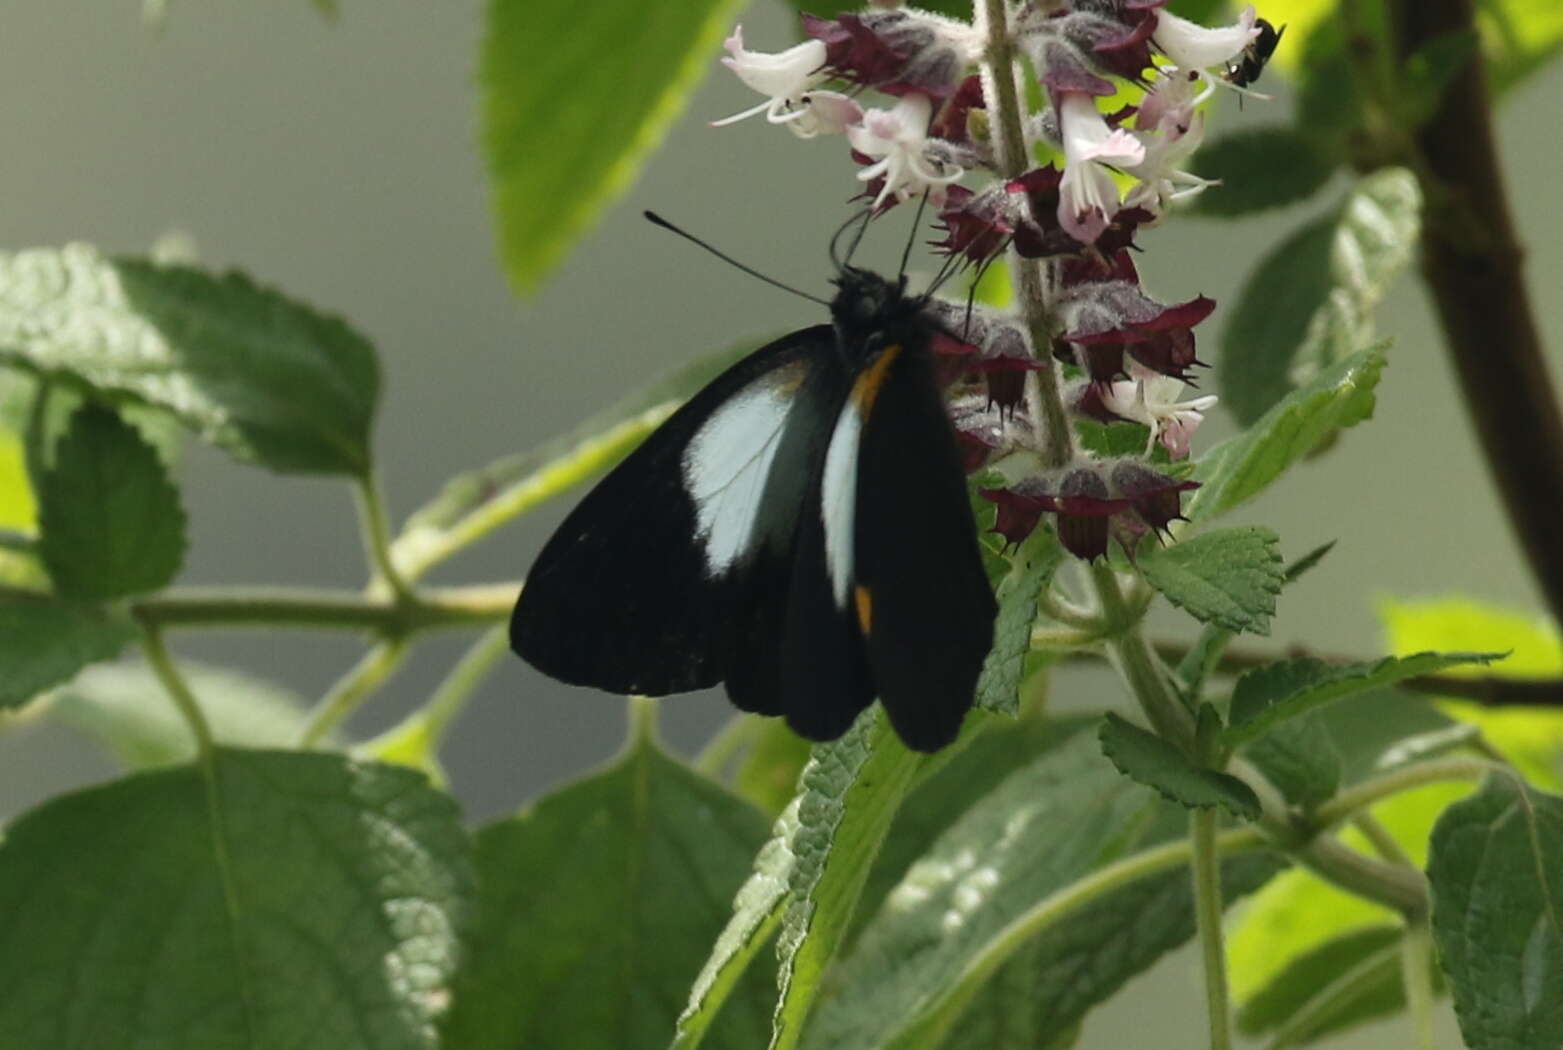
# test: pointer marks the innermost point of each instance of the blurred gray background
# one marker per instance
(337, 162)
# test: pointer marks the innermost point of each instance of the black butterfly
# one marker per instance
(799, 530)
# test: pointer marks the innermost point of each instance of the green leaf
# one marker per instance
(597, 906)
(264, 377)
(110, 519)
(1300, 758)
(809, 876)
(1032, 569)
(1343, 982)
(1229, 578)
(472, 503)
(1289, 688)
(1531, 738)
(1265, 331)
(278, 899)
(556, 160)
(756, 912)
(944, 796)
(1241, 467)
(127, 709)
(1335, 271)
(849, 793)
(1496, 870)
(946, 929)
(1144, 757)
(43, 641)
(1261, 168)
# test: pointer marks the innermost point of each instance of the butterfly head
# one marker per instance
(870, 311)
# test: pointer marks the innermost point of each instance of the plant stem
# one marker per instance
(1207, 915)
(377, 537)
(1403, 889)
(352, 689)
(1362, 795)
(643, 712)
(1473, 263)
(1416, 969)
(348, 610)
(457, 688)
(1139, 665)
(1487, 689)
(1013, 151)
(425, 543)
(162, 664)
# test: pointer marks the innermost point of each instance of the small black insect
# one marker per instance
(1251, 63)
(799, 531)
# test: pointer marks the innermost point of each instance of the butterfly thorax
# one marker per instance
(871, 313)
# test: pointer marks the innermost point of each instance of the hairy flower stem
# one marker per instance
(1013, 151)
(1207, 914)
(1139, 665)
(1473, 263)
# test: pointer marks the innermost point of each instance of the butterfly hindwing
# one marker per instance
(918, 588)
(643, 588)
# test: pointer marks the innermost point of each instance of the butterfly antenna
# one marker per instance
(917, 220)
(861, 218)
(751, 271)
(835, 241)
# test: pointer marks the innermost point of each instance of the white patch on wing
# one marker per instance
(838, 499)
(727, 463)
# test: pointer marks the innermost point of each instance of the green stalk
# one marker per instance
(416, 738)
(352, 689)
(1361, 796)
(311, 607)
(1207, 914)
(377, 537)
(1012, 149)
(162, 664)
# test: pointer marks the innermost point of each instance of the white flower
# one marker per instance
(1161, 176)
(1088, 197)
(1190, 46)
(897, 139)
(1152, 399)
(787, 78)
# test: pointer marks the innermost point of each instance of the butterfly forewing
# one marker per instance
(643, 588)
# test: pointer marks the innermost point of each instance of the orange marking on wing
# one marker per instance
(865, 607)
(869, 383)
